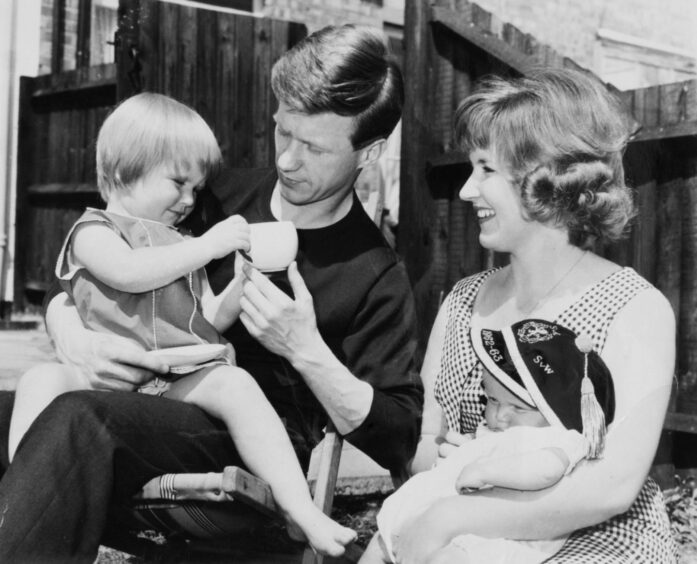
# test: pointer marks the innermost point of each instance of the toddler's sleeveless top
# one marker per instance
(165, 317)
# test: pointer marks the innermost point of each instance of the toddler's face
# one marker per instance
(504, 409)
(166, 194)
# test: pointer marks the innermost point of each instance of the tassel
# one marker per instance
(592, 416)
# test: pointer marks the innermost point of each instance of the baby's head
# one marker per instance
(538, 373)
(151, 132)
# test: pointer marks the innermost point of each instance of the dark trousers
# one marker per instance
(86, 452)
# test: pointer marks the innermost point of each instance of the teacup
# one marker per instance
(273, 245)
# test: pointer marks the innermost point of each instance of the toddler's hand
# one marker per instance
(231, 234)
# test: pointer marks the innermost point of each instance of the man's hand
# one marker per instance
(109, 362)
(285, 326)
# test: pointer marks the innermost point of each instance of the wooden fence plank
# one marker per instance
(168, 49)
(644, 259)
(669, 241)
(27, 154)
(261, 95)
(206, 50)
(186, 58)
(416, 206)
(687, 343)
(242, 103)
(224, 85)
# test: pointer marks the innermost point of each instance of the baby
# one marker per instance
(549, 397)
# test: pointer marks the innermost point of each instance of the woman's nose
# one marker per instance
(470, 189)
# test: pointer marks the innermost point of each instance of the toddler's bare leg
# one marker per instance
(36, 388)
(231, 394)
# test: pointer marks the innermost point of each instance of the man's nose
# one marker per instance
(470, 189)
(288, 158)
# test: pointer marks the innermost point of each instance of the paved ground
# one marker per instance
(20, 350)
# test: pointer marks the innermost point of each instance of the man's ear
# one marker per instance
(372, 152)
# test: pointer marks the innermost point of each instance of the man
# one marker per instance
(336, 338)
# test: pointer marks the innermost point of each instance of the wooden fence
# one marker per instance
(217, 62)
(449, 45)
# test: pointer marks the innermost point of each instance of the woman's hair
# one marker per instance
(561, 135)
(346, 70)
(149, 130)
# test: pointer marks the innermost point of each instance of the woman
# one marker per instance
(548, 183)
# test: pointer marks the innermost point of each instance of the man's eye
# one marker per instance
(487, 169)
(314, 150)
(492, 400)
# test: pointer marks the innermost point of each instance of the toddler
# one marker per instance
(131, 272)
(549, 397)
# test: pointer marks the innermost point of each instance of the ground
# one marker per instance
(359, 512)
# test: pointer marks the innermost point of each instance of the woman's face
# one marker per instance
(497, 203)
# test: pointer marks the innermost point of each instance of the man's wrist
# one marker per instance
(314, 353)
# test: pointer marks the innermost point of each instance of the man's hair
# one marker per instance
(149, 130)
(561, 134)
(346, 70)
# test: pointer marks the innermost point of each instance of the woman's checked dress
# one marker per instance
(642, 534)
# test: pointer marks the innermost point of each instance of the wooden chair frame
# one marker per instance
(239, 486)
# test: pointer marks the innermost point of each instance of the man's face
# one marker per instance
(315, 160)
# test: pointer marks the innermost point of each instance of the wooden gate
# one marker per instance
(217, 61)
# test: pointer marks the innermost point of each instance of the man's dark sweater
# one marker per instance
(365, 314)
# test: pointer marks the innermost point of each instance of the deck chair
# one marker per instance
(218, 505)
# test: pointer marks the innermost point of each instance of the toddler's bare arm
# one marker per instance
(112, 261)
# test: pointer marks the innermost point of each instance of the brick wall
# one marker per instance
(46, 37)
(569, 26)
(70, 43)
(318, 13)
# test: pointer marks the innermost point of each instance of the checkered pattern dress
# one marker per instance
(642, 534)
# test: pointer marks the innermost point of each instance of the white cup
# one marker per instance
(273, 245)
